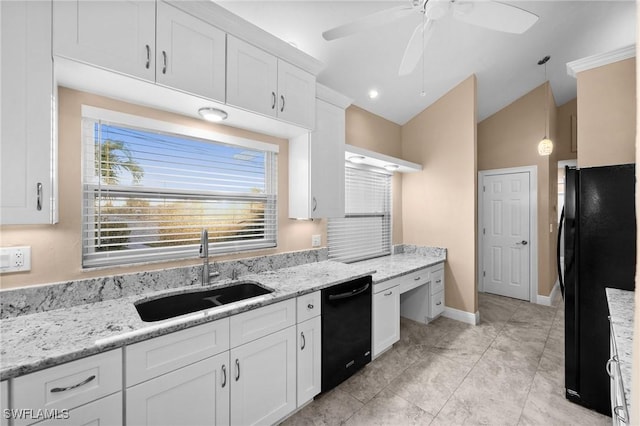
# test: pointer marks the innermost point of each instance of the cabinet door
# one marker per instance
(309, 359)
(252, 77)
(190, 54)
(27, 139)
(296, 95)
(119, 35)
(327, 162)
(104, 411)
(264, 379)
(4, 402)
(386, 319)
(197, 394)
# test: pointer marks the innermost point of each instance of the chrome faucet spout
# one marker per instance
(204, 254)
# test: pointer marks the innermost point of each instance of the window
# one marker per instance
(150, 187)
(365, 231)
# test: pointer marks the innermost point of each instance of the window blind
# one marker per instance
(365, 231)
(147, 195)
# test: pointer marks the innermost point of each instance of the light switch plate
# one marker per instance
(15, 259)
(316, 240)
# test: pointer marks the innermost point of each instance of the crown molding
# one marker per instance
(594, 61)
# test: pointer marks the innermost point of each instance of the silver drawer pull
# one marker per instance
(417, 278)
(84, 382)
(304, 341)
(224, 375)
(438, 281)
(148, 56)
(310, 306)
(39, 196)
(389, 293)
(620, 413)
(439, 303)
(237, 369)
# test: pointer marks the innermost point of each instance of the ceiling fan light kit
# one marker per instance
(483, 13)
(545, 146)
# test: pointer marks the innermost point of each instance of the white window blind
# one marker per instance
(365, 231)
(148, 194)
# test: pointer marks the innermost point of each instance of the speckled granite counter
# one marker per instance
(36, 341)
(621, 308)
(404, 263)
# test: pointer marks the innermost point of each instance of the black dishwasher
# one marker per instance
(346, 330)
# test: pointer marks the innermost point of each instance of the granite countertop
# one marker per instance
(621, 309)
(40, 340)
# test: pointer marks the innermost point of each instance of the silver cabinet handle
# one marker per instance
(237, 369)
(282, 103)
(164, 62)
(304, 341)
(610, 365)
(315, 204)
(84, 382)
(620, 413)
(224, 375)
(273, 100)
(389, 293)
(148, 64)
(39, 196)
(438, 281)
(439, 303)
(417, 278)
(310, 306)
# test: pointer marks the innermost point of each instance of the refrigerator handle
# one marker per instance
(558, 257)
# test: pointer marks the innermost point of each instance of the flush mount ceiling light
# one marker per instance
(356, 159)
(373, 93)
(391, 167)
(212, 114)
(545, 146)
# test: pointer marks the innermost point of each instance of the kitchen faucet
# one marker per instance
(204, 254)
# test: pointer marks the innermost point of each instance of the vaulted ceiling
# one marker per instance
(505, 64)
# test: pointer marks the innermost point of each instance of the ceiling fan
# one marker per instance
(483, 13)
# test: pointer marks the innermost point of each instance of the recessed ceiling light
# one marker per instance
(373, 93)
(212, 114)
(357, 159)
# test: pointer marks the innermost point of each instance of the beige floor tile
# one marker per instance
(332, 408)
(551, 367)
(430, 382)
(465, 344)
(545, 405)
(389, 409)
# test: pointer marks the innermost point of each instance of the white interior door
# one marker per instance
(506, 234)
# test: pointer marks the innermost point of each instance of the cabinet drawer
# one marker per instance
(415, 279)
(69, 385)
(308, 306)
(252, 325)
(437, 279)
(105, 411)
(163, 354)
(437, 304)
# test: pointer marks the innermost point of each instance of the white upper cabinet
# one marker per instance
(119, 35)
(190, 54)
(260, 82)
(27, 115)
(316, 163)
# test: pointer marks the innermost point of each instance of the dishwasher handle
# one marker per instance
(351, 293)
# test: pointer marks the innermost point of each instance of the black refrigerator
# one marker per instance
(599, 252)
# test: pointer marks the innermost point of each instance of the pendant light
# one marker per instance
(545, 146)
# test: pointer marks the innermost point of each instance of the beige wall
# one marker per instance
(564, 132)
(439, 203)
(56, 249)
(607, 114)
(372, 132)
(509, 138)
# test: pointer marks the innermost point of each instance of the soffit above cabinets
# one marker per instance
(382, 161)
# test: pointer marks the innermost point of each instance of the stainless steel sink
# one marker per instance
(183, 303)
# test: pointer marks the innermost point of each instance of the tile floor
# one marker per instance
(508, 370)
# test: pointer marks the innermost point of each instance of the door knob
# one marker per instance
(523, 242)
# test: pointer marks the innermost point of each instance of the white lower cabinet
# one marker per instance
(193, 395)
(263, 381)
(4, 402)
(386, 318)
(309, 359)
(436, 305)
(104, 411)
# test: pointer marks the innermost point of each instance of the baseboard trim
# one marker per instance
(546, 300)
(462, 316)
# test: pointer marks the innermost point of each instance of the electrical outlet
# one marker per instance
(15, 259)
(316, 240)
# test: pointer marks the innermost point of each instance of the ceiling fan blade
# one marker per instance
(494, 16)
(368, 22)
(415, 47)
